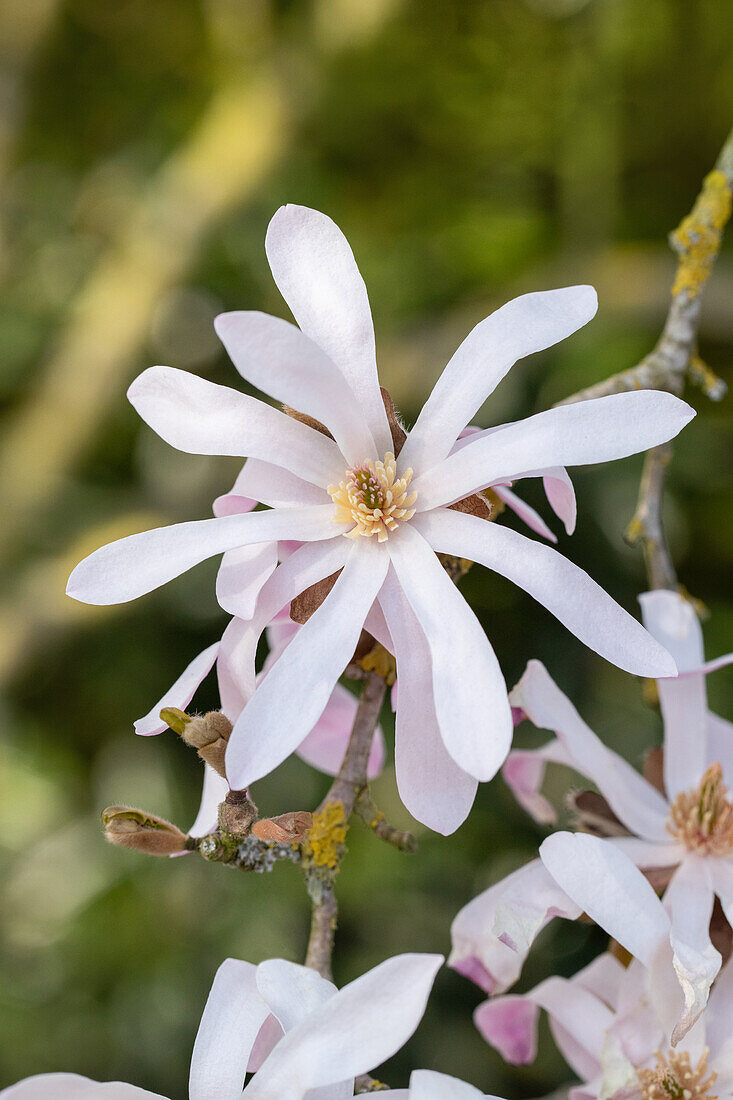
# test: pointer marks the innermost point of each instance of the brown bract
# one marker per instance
(286, 828)
(209, 735)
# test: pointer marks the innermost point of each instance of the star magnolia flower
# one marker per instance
(684, 835)
(324, 746)
(294, 1029)
(454, 725)
(617, 1027)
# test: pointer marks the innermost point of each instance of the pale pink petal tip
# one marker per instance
(509, 1024)
(472, 968)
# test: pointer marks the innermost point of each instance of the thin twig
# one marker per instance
(375, 819)
(647, 526)
(351, 776)
(324, 916)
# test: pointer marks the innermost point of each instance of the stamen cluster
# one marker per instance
(673, 1078)
(702, 819)
(374, 499)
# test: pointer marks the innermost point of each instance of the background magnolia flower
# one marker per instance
(293, 1029)
(454, 727)
(619, 1028)
(683, 832)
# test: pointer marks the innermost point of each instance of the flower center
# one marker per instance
(373, 498)
(673, 1078)
(702, 819)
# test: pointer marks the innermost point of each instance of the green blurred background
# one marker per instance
(470, 151)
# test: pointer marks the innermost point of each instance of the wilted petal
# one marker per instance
(598, 430)
(689, 900)
(232, 1019)
(565, 590)
(180, 694)
(132, 566)
(316, 273)
(526, 325)
(470, 695)
(283, 362)
(202, 418)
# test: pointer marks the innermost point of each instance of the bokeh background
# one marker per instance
(471, 151)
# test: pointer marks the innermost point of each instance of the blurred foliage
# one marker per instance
(470, 151)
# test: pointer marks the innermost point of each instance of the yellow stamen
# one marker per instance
(673, 1078)
(374, 499)
(702, 819)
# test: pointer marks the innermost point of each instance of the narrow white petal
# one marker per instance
(526, 513)
(689, 900)
(202, 418)
(214, 791)
(610, 889)
(683, 703)
(132, 566)
(583, 1018)
(232, 1019)
(425, 1084)
(526, 325)
(720, 1013)
(241, 575)
(283, 362)
(599, 430)
(292, 992)
(565, 590)
(268, 484)
(673, 622)
(316, 273)
(179, 694)
(292, 696)
(353, 1032)
(471, 702)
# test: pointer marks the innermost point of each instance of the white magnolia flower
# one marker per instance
(453, 725)
(617, 1027)
(683, 833)
(300, 1036)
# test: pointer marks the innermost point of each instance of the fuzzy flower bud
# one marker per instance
(208, 734)
(131, 828)
(237, 813)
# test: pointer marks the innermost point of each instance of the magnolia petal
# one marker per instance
(673, 622)
(648, 855)
(524, 772)
(526, 513)
(325, 745)
(283, 362)
(689, 900)
(294, 693)
(720, 1013)
(470, 695)
(433, 788)
(69, 1086)
(241, 575)
(214, 791)
(565, 590)
(357, 1029)
(232, 1019)
(292, 992)
(606, 885)
(683, 703)
(639, 805)
(492, 935)
(526, 325)
(200, 417)
(130, 567)
(560, 494)
(719, 739)
(509, 1025)
(582, 1019)
(425, 1084)
(180, 694)
(268, 484)
(597, 430)
(316, 273)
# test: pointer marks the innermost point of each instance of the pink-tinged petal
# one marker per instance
(132, 566)
(526, 513)
(560, 495)
(283, 362)
(565, 590)
(602, 977)
(673, 622)
(470, 695)
(231, 1022)
(268, 484)
(524, 772)
(357, 1029)
(716, 663)
(292, 992)
(526, 325)
(235, 669)
(316, 273)
(241, 575)
(294, 693)
(325, 745)
(69, 1086)
(498, 927)
(432, 786)
(635, 801)
(215, 790)
(606, 885)
(581, 1018)
(376, 624)
(509, 1024)
(598, 430)
(720, 1013)
(180, 694)
(200, 417)
(426, 1084)
(689, 900)
(270, 1034)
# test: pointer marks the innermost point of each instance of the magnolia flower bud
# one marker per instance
(236, 813)
(131, 828)
(208, 734)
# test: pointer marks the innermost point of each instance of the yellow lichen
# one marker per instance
(697, 238)
(381, 661)
(325, 841)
